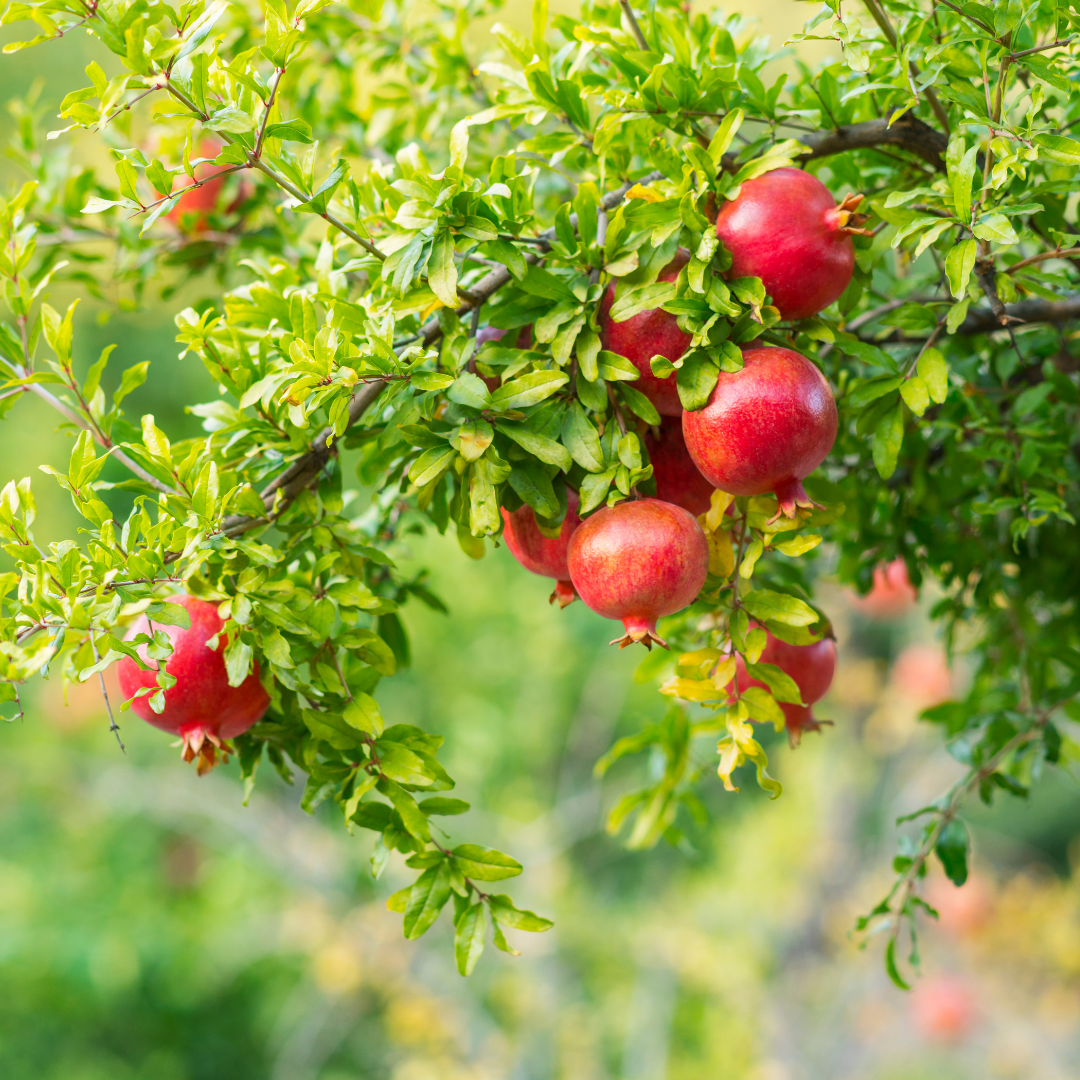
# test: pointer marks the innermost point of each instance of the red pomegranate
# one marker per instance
(943, 1008)
(892, 593)
(677, 478)
(811, 667)
(645, 335)
(202, 708)
(191, 214)
(786, 229)
(765, 428)
(538, 553)
(638, 561)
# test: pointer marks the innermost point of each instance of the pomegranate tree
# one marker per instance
(638, 561)
(541, 554)
(202, 708)
(765, 428)
(811, 667)
(645, 335)
(786, 229)
(677, 478)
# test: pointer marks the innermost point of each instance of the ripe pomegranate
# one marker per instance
(786, 229)
(677, 478)
(645, 335)
(811, 667)
(538, 553)
(764, 428)
(921, 673)
(943, 1008)
(963, 911)
(191, 214)
(638, 561)
(202, 708)
(892, 593)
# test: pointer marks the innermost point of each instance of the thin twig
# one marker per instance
(635, 28)
(114, 727)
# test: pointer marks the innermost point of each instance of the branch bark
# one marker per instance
(985, 321)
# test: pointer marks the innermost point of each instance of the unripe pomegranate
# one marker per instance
(539, 553)
(638, 561)
(645, 335)
(765, 428)
(892, 593)
(202, 708)
(786, 229)
(810, 666)
(193, 209)
(677, 478)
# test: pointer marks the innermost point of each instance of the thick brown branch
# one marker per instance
(908, 132)
(984, 320)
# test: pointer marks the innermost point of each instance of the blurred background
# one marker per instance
(154, 928)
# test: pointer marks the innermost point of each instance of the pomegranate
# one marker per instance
(943, 1008)
(892, 593)
(765, 428)
(191, 214)
(202, 708)
(963, 911)
(538, 553)
(786, 229)
(638, 561)
(921, 673)
(645, 335)
(677, 478)
(810, 666)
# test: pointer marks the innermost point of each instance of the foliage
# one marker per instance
(382, 224)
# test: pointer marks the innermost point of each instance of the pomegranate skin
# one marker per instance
(786, 229)
(638, 561)
(645, 335)
(202, 708)
(677, 478)
(765, 428)
(812, 668)
(539, 553)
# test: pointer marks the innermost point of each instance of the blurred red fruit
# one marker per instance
(193, 210)
(943, 1008)
(922, 674)
(892, 593)
(961, 911)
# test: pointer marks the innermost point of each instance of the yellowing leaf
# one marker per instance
(719, 503)
(721, 554)
(648, 194)
(691, 689)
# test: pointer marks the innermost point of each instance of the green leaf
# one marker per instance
(873, 389)
(363, 713)
(412, 816)
(888, 438)
(934, 372)
(469, 938)
(443, 806)
(427, 898)
(915, 394)
(540, 446)
(961, 181)
(290, 131)
(469, 389)
(953, 844)
(958, 266)
(504, 911)
(696, 380)
(615, 368)
(763, 707)
(780, 683)
(431, 464)
(441, 270)
(632, 301)
(132, 379)
(581, 439)
(529, 389)
(765, 605)
(485, 864)
(996, 227)
(1058, 149)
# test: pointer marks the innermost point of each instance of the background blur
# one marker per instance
(153, 928)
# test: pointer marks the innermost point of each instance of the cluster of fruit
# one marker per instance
(764, 429)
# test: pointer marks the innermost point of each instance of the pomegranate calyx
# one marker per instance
(806, 723)
(845, 219)
(563, 594)
(790, 496)
(197, 742)
(639, 630)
